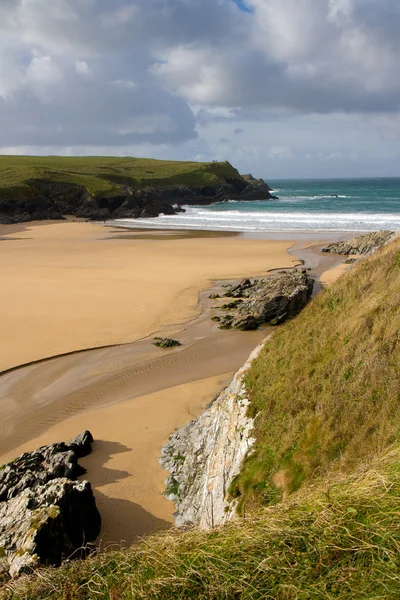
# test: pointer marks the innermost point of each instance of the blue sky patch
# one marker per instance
(243, 6)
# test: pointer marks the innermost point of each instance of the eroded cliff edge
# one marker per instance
(205, 455)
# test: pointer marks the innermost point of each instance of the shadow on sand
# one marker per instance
(123, 521)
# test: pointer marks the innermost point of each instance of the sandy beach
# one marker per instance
(71, 286)
(123, 468)
(68, 286)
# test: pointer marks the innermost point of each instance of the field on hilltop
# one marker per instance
(320, 492)
(101, 175)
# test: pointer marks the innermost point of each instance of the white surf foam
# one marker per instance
(235, 220)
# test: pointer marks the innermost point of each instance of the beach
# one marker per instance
(70, 286)
(93, 298)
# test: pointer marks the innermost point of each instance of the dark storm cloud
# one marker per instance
(120, 72)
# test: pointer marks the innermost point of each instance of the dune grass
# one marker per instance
(341, 540)
(325, 391)
(104, 175)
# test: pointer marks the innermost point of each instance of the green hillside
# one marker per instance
(103, 175)
(325, 393)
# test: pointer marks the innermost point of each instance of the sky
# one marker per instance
(280, 88)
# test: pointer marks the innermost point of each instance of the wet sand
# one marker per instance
(68, 286)
(131, 396)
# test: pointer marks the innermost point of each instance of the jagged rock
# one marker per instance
(361, 245)
(166, 342)
(270, 300)
(51, 199)
(250, 179)
(205, 455)
(256, 186)
(230, 305)
(45, 515)
(238, 290)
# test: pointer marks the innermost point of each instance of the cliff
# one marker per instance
(205, 455)
(36, 188)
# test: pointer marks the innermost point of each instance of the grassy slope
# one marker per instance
(326, 392)
(326, 388)
(102, 175)
(342, 543)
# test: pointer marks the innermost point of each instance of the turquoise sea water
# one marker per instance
(360, 205)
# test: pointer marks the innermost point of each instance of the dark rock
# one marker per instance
(216, 319)
(271, 300)
(45, 515)
(166, 342)
(237, 291)
(248, 323)
(230, 305)
(350, 261)
(361, 245)
(214, 296)
(44, 199)
(226, 322)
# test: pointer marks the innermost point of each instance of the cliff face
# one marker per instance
(204, 456)
(51, 199)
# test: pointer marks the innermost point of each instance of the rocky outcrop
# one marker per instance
(45, 514)
(271, 300)
(258, 185)
(52, 199)
(364, 244)
(205, 455)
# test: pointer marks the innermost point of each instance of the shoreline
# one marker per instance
(89, 288)
(55, 398)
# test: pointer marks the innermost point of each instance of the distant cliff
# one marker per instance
(36, 188)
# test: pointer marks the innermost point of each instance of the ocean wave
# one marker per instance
(236, 220)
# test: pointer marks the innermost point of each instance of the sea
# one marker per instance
(358, 205)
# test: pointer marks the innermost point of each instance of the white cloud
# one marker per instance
(82, 67)
(43, 77)
(279, 153)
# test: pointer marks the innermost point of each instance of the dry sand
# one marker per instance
(128, 481)
(331, 275)
(67, 286)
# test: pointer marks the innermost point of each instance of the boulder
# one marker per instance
(270, 300)
(45, 514)
(363, 244)
(166, 342)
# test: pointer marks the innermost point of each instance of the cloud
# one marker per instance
(217, 78)
(82, 67)
(298, 55)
